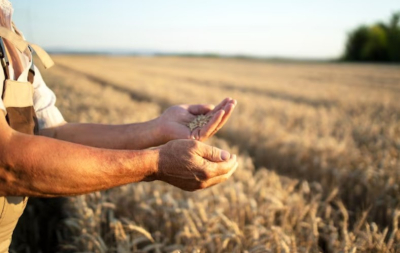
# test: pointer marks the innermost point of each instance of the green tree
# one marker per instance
(378, 43)
(355, 42)
(394, 38)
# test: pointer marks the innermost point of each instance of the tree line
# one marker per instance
(376, 43)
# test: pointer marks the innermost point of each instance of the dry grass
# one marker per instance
(330, 132)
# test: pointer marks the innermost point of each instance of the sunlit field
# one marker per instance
(318, 144)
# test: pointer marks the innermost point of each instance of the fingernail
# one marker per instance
(225, 155)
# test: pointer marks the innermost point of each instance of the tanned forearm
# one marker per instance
(144, 134)
(45, 167)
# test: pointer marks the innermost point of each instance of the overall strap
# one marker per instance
(5, 63)
(22, 45)
(31, 73)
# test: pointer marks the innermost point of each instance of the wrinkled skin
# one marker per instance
(192, 165)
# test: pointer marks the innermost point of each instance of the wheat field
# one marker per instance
(318, 147)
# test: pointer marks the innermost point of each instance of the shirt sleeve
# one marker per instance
(44, 102)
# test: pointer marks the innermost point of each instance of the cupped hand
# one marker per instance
(175, 120)
(192, 165)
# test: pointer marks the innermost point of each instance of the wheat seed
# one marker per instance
(199, 121)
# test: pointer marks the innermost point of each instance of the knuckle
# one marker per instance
(202, 185)
(195, 186)
(204, 164)
(214, 152)
(190, 146)
(194, 144)
(205, 175)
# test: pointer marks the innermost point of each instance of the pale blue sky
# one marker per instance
(302, 29)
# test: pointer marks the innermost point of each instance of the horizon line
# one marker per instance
(149, 52)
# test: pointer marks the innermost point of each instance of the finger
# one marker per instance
(219, 179)
(212, 154)
(228, 112)
(200, 109)
(196, 183)
(222, 104)
(216, 161)
(216, 169)
(196, 134)
(210, 127)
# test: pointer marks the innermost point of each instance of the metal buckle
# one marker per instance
(32, 68)
(3, 54)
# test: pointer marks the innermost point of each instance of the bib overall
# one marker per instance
(17, 97)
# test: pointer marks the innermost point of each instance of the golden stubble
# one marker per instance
(333, 129)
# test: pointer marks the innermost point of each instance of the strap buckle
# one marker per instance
(4, 58)
(32, 68)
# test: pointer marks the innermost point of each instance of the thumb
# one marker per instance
(214, 154)
(200, 109)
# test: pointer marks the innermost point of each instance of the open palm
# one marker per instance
(175, 120)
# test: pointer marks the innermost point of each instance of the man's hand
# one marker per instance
(192, 165)
(174, 121)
